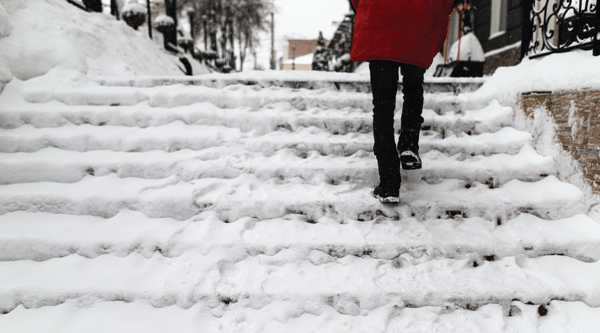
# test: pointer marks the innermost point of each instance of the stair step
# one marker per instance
(177, 135)
(331, 81)
(230, 97)
(230, 277)
(43, 236)
(56, 165)
(247, 195)
(301, 317)
(263, 120)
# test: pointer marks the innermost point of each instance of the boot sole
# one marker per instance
(388, 199)
(411, 164)
(411, 167)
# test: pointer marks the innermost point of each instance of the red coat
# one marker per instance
(405, 31)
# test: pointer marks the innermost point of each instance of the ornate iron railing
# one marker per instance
(554, 26)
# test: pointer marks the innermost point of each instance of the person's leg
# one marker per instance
(412, 108)
(384, 85)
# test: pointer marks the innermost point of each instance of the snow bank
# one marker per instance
(51, 33)
(5, 25)
(5, 30)
(574, 70)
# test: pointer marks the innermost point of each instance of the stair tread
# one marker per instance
(177, 135)
(280, 316)
(52, 164)
(42, 236)
(233, 276)
(248, 195)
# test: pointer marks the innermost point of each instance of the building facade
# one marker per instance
(498, 24)
(508, 30)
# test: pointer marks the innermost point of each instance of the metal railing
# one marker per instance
(554, 26)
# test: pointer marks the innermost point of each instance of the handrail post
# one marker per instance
(526, 27)
(597, 35)
(149, 18)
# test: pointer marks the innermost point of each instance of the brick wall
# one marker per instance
(302, 47)
(577, 119)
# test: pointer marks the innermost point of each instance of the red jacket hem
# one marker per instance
(402, 61)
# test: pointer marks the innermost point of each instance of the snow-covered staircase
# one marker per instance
(162, 207)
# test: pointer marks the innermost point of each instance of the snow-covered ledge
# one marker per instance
(348, 82)
(541, 91)
(5, 30)
(574, 118)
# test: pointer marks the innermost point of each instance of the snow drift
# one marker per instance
(38, 35)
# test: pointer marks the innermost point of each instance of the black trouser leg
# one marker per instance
(412, 108)
(384, 85)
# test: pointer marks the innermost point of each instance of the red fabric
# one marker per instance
(405, 31)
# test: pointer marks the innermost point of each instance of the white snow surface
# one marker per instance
(163, 20)
(574, 70)
(306, 59)
(134, 8)
(91, 43)
(127, 206)
(5, 24)
(470, 49)
(5, 30)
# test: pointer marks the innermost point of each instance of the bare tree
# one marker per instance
(228, 20)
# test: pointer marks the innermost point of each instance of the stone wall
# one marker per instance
(577, 119)
(510, 57)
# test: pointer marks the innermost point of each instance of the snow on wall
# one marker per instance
(544, 131)
(51, 33)
(5, 30)
(5, 25)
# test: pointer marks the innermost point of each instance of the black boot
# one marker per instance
(384, 84)
(412, 108)
(386, 195)
(389, 176)
(408, 146)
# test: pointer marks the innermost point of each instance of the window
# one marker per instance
(498, 18)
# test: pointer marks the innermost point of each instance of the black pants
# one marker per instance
(384, 85)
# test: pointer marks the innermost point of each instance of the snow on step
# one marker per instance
(229, 97)
(360, 282)
(330, 80)
(263, 120)
(247, 195)
(177, 136)
(173, 136)
(42, 236)
(179, 95)
(51, 164)
(141, 316)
